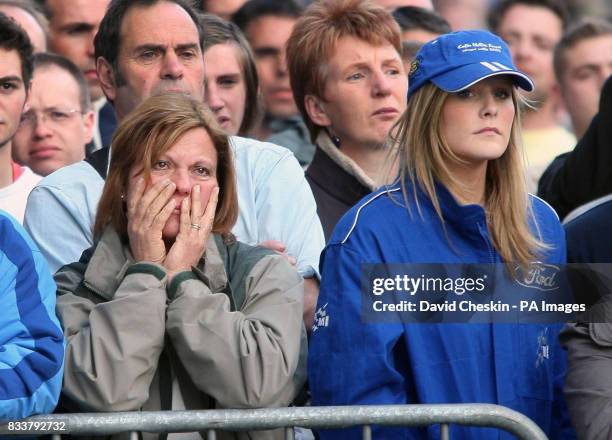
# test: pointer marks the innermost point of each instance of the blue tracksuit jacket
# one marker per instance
(356, 363)
(31, 339)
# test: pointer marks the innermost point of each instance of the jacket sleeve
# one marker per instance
(243, 359)
(351, 362)
(32, 353)
(60, 225)
(588, 384)
(277, 179)
(583, 174)
(114, 346)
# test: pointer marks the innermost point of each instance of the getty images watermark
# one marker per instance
(430, 293)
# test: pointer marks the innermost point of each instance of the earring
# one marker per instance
(335, 139)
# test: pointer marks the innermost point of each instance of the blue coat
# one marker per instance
(356, 363)
(31, 339)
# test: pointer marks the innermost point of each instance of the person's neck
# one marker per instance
(472, 179)
(262, 132)
(6, 169)
(540, 118)
(371, 160)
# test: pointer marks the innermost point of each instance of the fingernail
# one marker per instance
(197, 188)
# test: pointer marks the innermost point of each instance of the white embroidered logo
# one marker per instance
(321, 318)
(543, 347)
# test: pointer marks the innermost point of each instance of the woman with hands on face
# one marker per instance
(169, 219)
(168, 310)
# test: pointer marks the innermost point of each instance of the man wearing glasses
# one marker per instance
(59, 121)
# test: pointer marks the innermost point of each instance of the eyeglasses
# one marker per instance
(50, 115)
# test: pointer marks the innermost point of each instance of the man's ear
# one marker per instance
(89, 124)
(28, 96)
(106, 75)
(315, 108)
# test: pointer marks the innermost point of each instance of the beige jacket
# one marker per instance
(129, 334)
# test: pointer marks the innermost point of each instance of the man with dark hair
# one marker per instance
(145, 48)
(267, 24)
(16, 182)
(532, 28)
(73, 25)
(30, 19)
(583, 62)
(30, 336)
(59, 121)
(419, 24)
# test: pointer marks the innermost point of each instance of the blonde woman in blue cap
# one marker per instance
(460, 198)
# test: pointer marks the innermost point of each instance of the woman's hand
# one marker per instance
(194, 229)
(148, 210)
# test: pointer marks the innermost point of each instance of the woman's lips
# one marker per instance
(387, 113)
(488, 130)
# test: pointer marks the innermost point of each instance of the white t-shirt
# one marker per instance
(13, 198)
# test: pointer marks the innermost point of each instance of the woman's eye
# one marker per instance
(356, 76)
(464, 94)
(503, 94)
(202, 171)
(227, 83)
(160, 165)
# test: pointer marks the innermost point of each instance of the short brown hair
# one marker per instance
(582, 30)
(316, 34)
(147, 133)
(47, 59)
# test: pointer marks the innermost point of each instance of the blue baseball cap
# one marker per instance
(458, 60)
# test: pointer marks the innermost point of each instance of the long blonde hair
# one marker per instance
(422, 155)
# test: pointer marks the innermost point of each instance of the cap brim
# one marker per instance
(468, 75)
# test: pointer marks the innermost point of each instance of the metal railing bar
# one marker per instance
(367, 432)
(444, 432)
(289, 433)
(308, 417)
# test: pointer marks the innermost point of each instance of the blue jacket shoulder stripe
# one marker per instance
(45, 361)
(364, 204)
(547, 204)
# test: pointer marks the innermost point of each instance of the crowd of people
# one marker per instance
(189, 194)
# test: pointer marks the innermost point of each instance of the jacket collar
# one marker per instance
(325, 143)
(111, 259)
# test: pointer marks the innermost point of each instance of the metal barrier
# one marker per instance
(483, 415)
